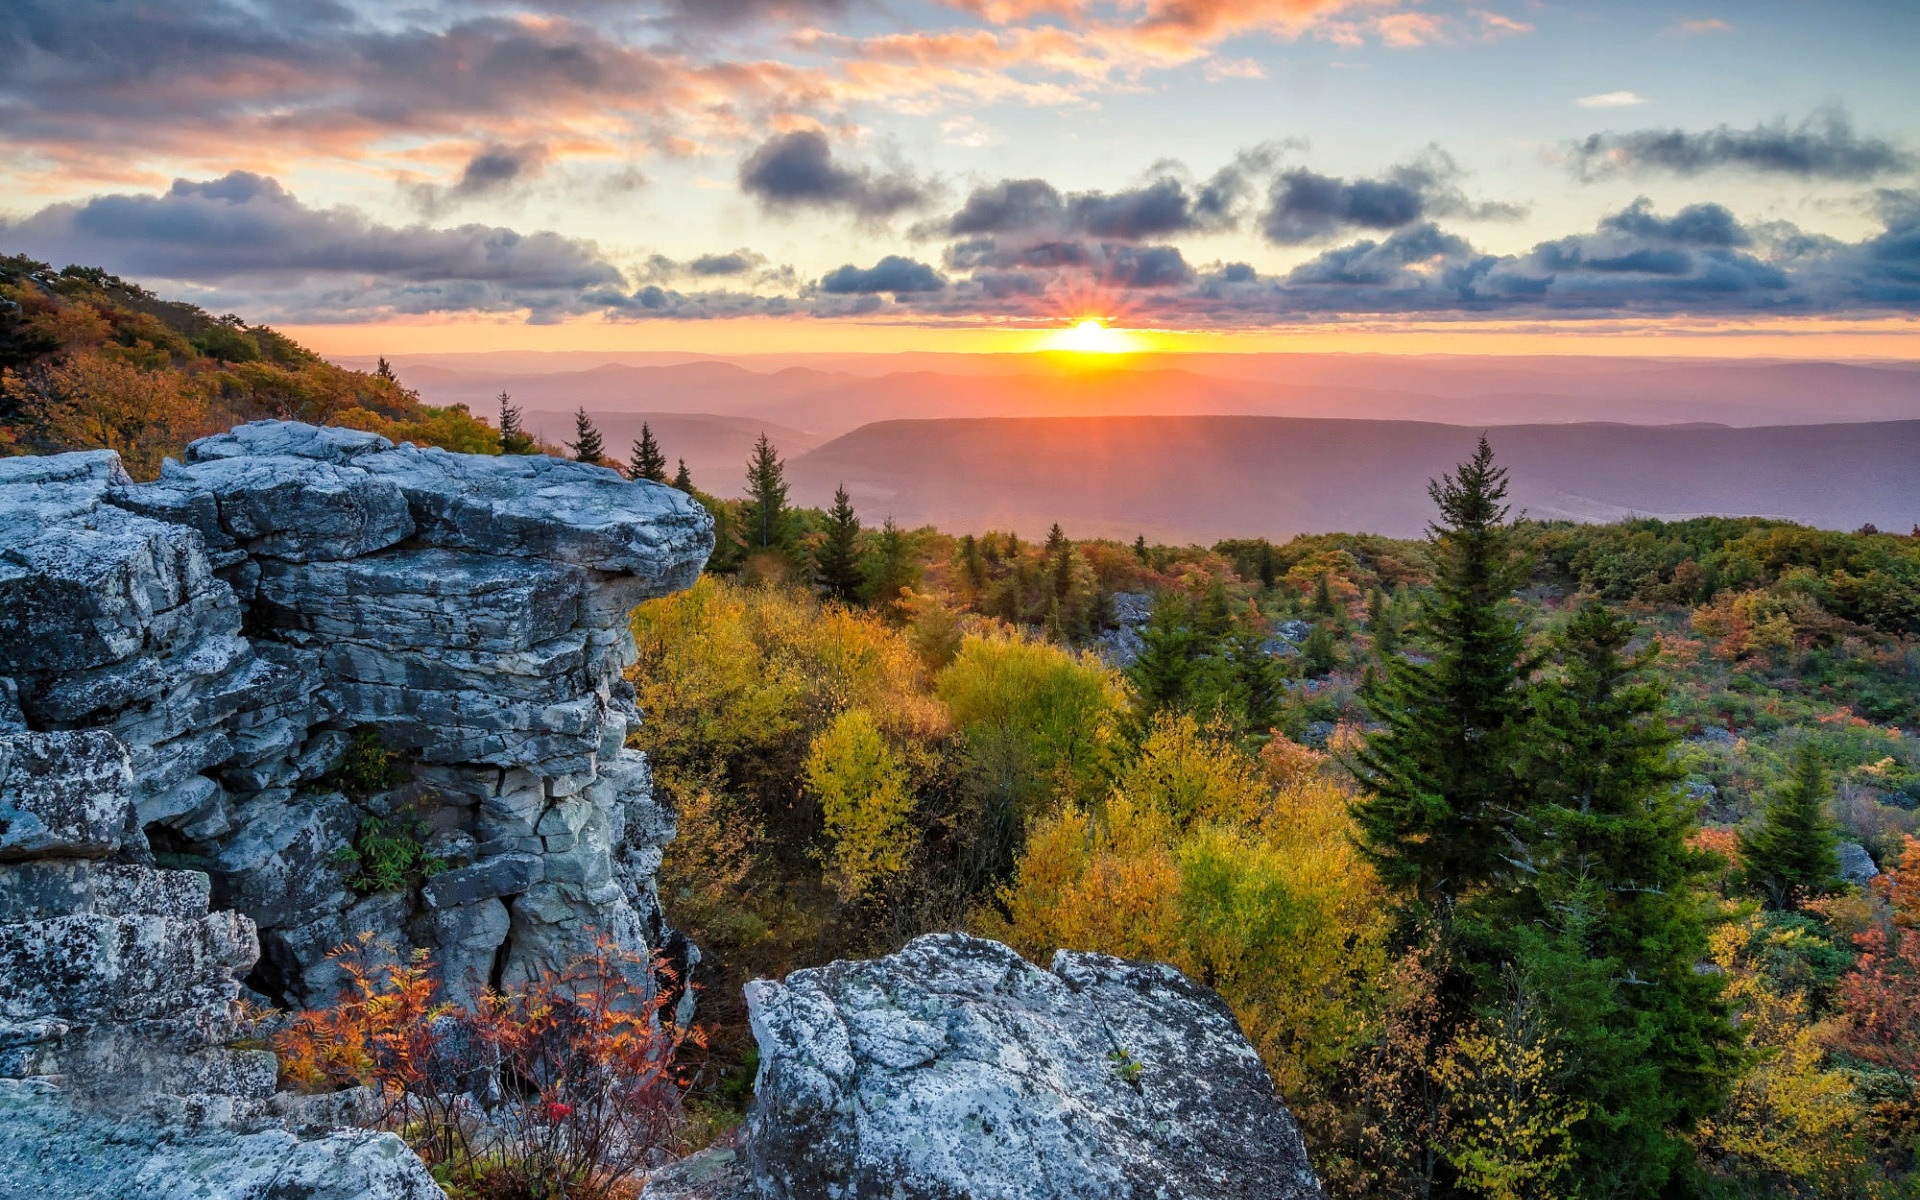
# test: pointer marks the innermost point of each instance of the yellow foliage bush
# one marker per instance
(1788, 1118)
(864, 802)
(1198, 859)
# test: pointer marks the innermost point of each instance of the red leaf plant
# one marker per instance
(564, 1089)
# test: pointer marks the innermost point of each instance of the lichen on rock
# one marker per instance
(955, 1068)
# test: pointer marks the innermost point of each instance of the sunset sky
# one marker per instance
(890, 174)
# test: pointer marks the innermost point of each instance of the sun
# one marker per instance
(1091, 336)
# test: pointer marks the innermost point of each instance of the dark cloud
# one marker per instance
(737, 262)
(799, 170)
(493, 170)
(1164, 206)
(1305, 206)
(1374, 263)
(1694, 225)
(891, 274)
(243, 224)
(90, 83)
(1823, 146)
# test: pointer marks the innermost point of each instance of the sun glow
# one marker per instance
(1091, 336)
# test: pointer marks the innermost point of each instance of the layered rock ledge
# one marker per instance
(186, 667)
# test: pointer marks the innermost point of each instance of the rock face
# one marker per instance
(117, 990)
(955, 1069)
(234, 625)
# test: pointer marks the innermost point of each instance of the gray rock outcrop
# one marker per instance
(1856, 865)
(117, 1010)
(186, 667)
(237, 622)
(955, 1069)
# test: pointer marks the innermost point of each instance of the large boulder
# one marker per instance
(1856, 865)
(956, 1070)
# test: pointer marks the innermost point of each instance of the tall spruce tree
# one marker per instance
(513, 436)
(838, 560)
(1439, 787)
(1323, 603)
(586, 445)
(891, 568)
(1140, 550)
(971, 563)
(1609, 914)
(765, 519)
(647, 461)
(683, 479)
(1795, 853)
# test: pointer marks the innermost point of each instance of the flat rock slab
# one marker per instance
(49, 1148)
(957, 1069)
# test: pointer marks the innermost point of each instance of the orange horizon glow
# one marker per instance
(1884, 339)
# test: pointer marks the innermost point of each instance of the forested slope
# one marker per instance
(90, 360)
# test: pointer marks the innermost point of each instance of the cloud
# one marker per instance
(1612, 100)
(1167, 204)
(798, 170)
(1694, 225)
(1706, 25)
(891, 274)
(1305, 206)
(738, 262)
(492, 170)
(1638, 261)
(248, 225)
(1823, 146)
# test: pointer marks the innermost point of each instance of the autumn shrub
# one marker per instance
(565, 1089)
(1199, 858)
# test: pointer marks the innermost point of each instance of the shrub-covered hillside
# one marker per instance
(89, 360)
(1527, 856)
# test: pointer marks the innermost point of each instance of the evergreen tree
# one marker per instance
(971, 564)
(1323, 603)
(1140, 550)
(765, 518)
(586, 445)
(513, 437)
(682, 479)
(1795, 854)
(1439, 781)
(1056, 541)
(891, 568)
(647, 461)
(1380, 622)
(1610, 914)
(1162, 673)
(1269, 566)
(384, 370)
(838, 559)
(1320, 652)
(1063, 572)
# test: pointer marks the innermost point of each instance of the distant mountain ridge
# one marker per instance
(827, 396)
(1207, 477)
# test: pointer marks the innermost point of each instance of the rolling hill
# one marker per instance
(1207, 477)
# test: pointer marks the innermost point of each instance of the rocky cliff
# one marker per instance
(223, 692)
(238, 622)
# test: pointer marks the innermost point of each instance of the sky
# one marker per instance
(1624, 176)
